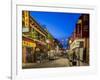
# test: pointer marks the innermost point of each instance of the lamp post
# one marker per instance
(47, 41)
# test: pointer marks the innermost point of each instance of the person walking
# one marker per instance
(74, 59)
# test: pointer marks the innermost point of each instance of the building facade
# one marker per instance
(79, 41)
(34, 36)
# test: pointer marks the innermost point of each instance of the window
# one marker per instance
(81, 44)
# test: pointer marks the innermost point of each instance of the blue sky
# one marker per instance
(60, 25)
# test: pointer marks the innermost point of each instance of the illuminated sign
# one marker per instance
(29, 44)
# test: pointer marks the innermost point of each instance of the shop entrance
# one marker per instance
(29, 54)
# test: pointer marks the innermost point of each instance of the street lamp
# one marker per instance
(47, 41)
(70, 41)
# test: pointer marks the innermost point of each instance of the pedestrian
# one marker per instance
(74, 59)
(84, 55)
(41, 57)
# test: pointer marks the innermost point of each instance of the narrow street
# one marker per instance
(60, 62)
(46, 46)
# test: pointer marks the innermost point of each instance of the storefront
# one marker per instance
(78, 47)
(28, 48)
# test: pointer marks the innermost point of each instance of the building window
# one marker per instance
(81, 44)
(86, 17)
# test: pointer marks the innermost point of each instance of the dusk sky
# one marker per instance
(60, 25)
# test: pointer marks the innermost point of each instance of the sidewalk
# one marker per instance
(83, 64)
(79, 63)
